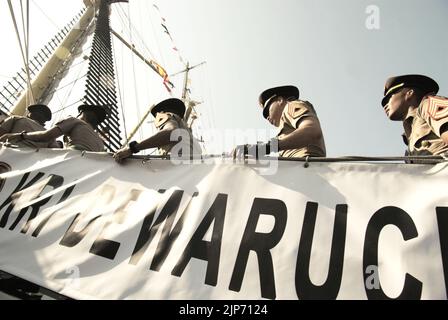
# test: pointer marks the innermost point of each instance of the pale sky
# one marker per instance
(321, 46)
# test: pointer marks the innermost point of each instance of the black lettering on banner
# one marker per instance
(209, 251)
(23, 184)
(54, 181)
(261, 243)
(330, 288)
(107, 248)
(412, 288)
(65, 195)
(71, 238)
(167, 239)
(442, 222)
(149, 230)
(4, 167)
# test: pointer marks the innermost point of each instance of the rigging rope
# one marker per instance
(69, 65)
(155, 37)
(68, 106)
(151, 62)
(67, 95)
(198, 125)
(164, 26)
(65, 85)
(160, 70)
(122, 95)
(130, 28)
(119, 90)
(30, 90)
(27, 38)
(24, 30)
(210, 103)
(43, 12)
(140, 132)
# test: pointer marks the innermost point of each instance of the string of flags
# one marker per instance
(165, 30)
(162, 72)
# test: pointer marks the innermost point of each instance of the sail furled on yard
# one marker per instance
(15, 88)
(100, 84)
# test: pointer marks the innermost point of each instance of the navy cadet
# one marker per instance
(300, 131)
(79, 133)
(168, 116)
(34, 120)
(412, 99)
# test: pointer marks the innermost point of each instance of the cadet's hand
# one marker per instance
(255, 150)
(243, 150)
(122, 154)
(11, 137)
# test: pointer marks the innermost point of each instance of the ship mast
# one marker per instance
(47, 78)
(100, 86)
(190, 116)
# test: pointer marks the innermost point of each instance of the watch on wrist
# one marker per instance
(133, 146)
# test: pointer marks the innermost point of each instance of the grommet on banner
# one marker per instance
(307, 164)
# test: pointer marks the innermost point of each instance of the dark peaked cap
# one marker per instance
(173, 105)
(41, 108)
(394, 84)
(99, 110)
(283, 91)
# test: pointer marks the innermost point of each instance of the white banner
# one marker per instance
(88, 228)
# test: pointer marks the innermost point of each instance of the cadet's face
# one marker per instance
(36, 116)
(275, 112)
(89, 116)
(396, 108)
